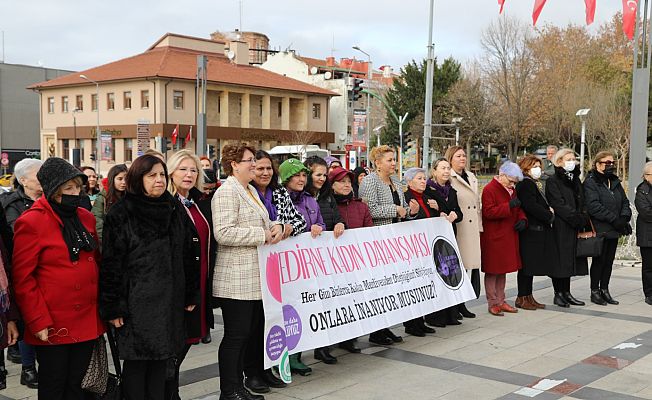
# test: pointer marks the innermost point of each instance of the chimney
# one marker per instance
(241, 52)
(330, 61)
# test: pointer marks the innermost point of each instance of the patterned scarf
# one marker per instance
(444, 190)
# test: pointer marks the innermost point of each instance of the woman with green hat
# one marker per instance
(293, 177)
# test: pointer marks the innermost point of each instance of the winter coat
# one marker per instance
(98, 212)
(378, 196)
(148, 274)
(308, 207)
(329, 211)
(643, 202)
(499, 240)
(468, 230)
(6, 249)
(355, 213)
(537, 243)
(566, 198)
(52, 291)
(15, 204)
(287, 213)
(239, 223)
(193, 318)
(447, 205)
(605, 202)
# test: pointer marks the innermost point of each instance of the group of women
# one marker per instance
(157, 253)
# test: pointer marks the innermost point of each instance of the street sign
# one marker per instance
(142, 136)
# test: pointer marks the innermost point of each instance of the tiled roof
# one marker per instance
(176, 63)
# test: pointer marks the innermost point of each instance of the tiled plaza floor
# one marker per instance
(591, 352)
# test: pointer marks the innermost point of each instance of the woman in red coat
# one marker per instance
(502, 219)
(55, 277)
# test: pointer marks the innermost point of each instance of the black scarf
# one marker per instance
(340, 198)
(155, 212)
(74, 233)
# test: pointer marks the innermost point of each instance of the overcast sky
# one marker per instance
(76, 34)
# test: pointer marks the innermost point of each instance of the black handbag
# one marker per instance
(114, 381)
(589, 244)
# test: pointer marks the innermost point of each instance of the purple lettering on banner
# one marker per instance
(275, 342)
(292, 326)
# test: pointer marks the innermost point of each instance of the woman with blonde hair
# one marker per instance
(468, 230)
(382, 192)
(185, 184)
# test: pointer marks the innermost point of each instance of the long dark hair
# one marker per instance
(87, 188)
(274, 183)
(310, 186)
(141, 166)
(113, 195)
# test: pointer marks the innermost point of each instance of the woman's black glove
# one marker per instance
(520, 225)
(515, 202)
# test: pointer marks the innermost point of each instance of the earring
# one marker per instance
(237, 171)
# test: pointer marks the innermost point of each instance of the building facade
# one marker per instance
(244, 103)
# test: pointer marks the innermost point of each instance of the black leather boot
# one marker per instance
(560, 301)
(13, 354)
(29, 377)
(607, 297)
(349, 345)
(394, 338)
(324, 354)
(465, 311)
(596, 297)
(272, 380)
(572, 300)
(256, 384)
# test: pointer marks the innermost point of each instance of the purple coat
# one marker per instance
(308, 207)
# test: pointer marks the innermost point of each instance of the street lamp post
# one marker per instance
(74, 156)
(377, 130)
(98, 145)
(582, 113)
(369, 77)
(400, 141)
(457, 121)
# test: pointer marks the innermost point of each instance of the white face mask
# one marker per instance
(535, 172)
(569, 166)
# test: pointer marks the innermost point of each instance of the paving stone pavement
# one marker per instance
(591, 352)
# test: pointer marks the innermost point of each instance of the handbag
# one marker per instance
(113, 387)
(97, 372)
(589, 244)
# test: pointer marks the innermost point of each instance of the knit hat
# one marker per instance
(291, 167)
(330, 159)
(512, 170)
(55, 172)
(338, 173)
(209, 176)
(412, 172)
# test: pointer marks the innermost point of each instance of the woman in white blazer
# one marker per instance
(468, 230)
(240, 224)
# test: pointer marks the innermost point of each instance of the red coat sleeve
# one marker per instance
(29, 298)
(493, 205)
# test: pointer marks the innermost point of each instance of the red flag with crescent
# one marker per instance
(629, 17)
(538, 6)
(175, 133)
(590, 11)
(501, 3)
(189, 135)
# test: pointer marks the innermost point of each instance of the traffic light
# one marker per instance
(92, 156)
(357, 89)
(211, 151)
(407, 137)
(166, 145)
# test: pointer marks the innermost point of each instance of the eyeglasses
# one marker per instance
(186, 170)
(249, 161)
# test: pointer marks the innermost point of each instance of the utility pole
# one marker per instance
(427, 125)
(201, 147)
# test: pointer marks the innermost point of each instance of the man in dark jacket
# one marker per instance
(608, 207)
(643, 204)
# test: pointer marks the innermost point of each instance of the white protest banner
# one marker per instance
(321, 291)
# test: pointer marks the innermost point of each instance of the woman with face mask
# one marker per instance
(537, 242)
(566, 197)
(609, 210)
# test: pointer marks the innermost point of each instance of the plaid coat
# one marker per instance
(239, 223)
(378, 196)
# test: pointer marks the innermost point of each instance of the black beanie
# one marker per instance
(55, 172)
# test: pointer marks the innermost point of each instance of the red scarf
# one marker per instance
(419, 198)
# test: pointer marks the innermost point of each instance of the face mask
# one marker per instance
(70, 200)
(535, 172)
(569, 166)
(611, 170)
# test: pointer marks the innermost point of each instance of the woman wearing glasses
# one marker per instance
(608, 207)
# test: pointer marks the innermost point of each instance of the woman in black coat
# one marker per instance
(565, 195)
(319, 188)
(149, 277)
(610, 213)
(643, 204)
(537, 242)
(439, 188)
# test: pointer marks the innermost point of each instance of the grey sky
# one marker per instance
(76, 34)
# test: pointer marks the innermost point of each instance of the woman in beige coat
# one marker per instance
(240, 224)
(468, 230)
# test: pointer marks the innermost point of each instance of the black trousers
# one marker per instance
(172, 385)
(242, 344)
(561, 285)
(143, 379)
(601, 266)
(443, 317)
(524, 283)
(61, 369)
(646, 271)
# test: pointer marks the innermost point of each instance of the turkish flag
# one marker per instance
(590, 11)
(175, 133)
(189, 135)
(629, 17)
(502, 4)
(538, 6)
